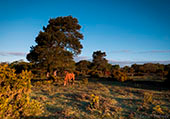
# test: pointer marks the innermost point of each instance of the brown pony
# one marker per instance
(68, 78)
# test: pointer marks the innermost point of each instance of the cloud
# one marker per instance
(140, 52)
(121, 51)
(123, 63)
(13, 53)
(79, 58)
(129, 63)
(155, 51)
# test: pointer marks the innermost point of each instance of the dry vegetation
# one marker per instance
(115, 100)
(15, 90)
(89, 98)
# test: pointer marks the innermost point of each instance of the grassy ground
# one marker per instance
(128, 100)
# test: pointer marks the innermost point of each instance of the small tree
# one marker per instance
(57, 44)
(99, 60)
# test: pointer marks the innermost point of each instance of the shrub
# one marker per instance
(85, 81)
(120, 76)
(148, 98)
(14, 94)
(96, 74)
(77, 73)
(158, 109)
(168, 78)
(94, 104)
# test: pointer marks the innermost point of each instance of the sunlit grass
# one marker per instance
(116, 100)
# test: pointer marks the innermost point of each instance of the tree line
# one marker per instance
(99, 67)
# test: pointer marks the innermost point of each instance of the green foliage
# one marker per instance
(83, 66)
(96, 74)
(120, 76)
(20, 65)
(115, 67)
(99, 61)
(57, 44)
(14, 94)
(159, 69)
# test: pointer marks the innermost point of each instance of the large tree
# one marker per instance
(57, 44)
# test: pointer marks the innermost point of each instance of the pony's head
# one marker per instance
(65, 72)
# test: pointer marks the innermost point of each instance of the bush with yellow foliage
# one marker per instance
(119, 75)
(94, 104)
(14, 94)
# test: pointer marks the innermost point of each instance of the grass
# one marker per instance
(116, 100)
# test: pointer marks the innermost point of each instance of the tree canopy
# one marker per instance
(57, 44)
(99, 60)
(83, 66)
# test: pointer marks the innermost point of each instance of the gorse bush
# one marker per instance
(14, 94)
(94, 104)
(158, 109)
(96, 74)
(120, 76)
(148, 98)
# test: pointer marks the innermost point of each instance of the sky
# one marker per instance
(129, 31)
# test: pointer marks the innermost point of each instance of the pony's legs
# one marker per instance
(65, 82)
(73, 79)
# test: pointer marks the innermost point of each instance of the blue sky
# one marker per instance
(127, 30)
